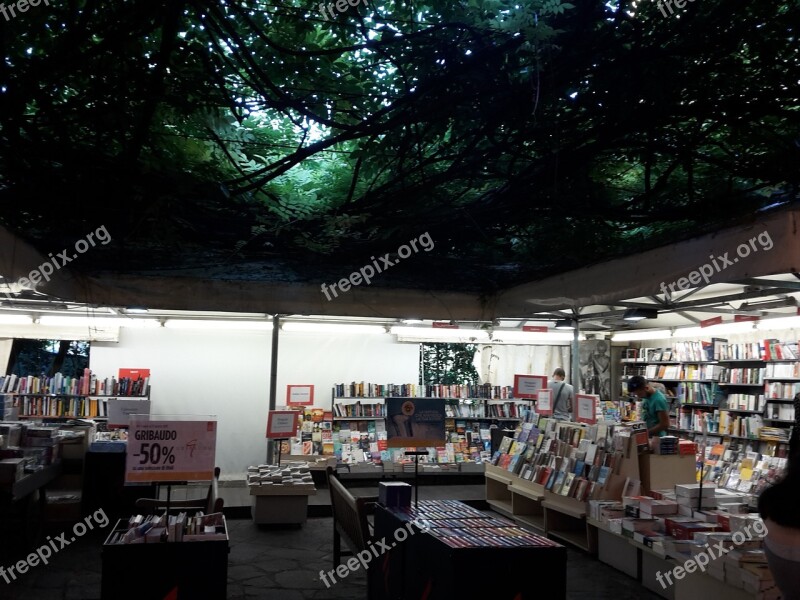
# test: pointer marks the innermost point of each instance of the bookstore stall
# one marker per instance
(653, 508)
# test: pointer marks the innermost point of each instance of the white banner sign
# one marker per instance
(170, 451)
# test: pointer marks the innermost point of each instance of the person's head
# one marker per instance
(559, 374)
(638, 386)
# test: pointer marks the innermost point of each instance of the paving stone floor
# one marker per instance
(275, 564)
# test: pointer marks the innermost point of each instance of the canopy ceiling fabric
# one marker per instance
(634, 276)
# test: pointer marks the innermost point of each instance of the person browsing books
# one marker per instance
(563, 396)
(654, 405)
(777, 505)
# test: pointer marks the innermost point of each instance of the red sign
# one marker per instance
(586, 408)
(745, 318)
(527, 386)
(544, 400)
(710, 322)
(170, 450)
(282, 424)
(134, 373)
(535, 328)
(300, 394)
(444, 325)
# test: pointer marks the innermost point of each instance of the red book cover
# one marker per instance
(544, 475)
(133, 374)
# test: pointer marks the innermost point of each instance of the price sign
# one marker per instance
(544, 402)
(282, 424)
(170, 451)
(526, 386)
(587, 408)
(300, 394)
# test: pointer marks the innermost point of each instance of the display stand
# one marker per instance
(167, 450)
(559, 517)
(191, 569)
(416, 454)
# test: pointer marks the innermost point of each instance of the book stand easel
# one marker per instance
(416, 454)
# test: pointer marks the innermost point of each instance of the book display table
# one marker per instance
(280, 504)
(280, 494)
(152, 571)
(431, 562)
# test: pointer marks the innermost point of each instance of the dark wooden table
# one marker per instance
(427, 565)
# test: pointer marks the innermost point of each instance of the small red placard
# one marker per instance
(282, 424)
(134, 373)
(586, 408)
(535, 328)
(299, 395)
(745, 318)
(444, 325)
(544, 399)
(711, 321)
(526, 386)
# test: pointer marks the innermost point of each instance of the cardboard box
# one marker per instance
(396, 494)
(659, 471)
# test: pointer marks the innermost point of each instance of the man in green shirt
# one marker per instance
(654, 405)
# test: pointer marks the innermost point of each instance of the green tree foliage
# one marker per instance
(448, 363)
(526, 137)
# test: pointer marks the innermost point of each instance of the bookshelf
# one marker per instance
(62, 398)
(65, 407)
(545, 476)
(743, 391)
(197, 566)
(359, 420)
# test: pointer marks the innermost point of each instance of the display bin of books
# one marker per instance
(280, 493)
(153, 565)
(458, 535)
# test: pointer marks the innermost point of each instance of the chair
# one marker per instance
(349, 519)
(212, 503)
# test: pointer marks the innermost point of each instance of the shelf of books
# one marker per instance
(195, 547)
(544, 475)
(748, 393)
(359, 426)
(63, 398)
(314, 436)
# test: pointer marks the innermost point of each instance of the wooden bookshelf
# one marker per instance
(498, 496)
(565, 520)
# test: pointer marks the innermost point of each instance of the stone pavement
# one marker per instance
(275, 564)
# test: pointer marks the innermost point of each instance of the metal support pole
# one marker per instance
(273, 382)
(576, 362)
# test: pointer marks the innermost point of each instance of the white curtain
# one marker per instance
(497, 364)
(5, 352)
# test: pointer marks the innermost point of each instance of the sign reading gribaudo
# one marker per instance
(170, 450)
(415, 422)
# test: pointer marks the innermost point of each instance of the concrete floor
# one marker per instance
(282, 563)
